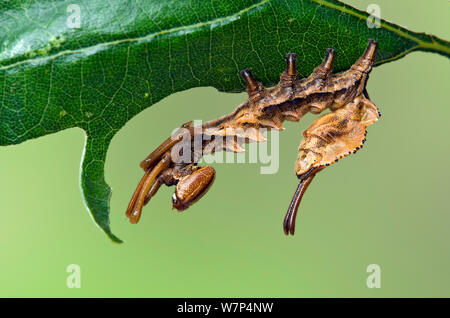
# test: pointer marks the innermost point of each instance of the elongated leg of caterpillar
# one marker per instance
(152, 158)
(291, 215)
(147, 183)
(136, 194)
(154, 188)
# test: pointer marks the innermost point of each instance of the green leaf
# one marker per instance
(128, 55)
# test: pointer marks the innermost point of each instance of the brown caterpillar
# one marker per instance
(332, 136)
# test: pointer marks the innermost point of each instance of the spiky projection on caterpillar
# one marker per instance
(330, 137)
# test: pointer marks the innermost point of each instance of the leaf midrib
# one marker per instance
(147, 37)
(430, 45)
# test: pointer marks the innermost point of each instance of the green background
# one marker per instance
(387, 205)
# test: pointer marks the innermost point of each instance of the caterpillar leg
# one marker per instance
(161, 167)
(154, 166)
(152, 158)
(148, 183)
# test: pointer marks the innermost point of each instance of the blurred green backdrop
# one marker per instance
(387, 205)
